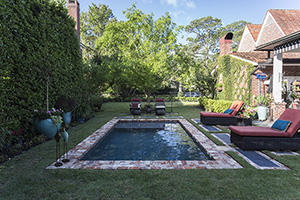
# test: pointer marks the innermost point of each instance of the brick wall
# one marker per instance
(74, 11)
(226, 44)
(276, 110)
(225, 48)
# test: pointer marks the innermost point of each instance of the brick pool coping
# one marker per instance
(221, 160)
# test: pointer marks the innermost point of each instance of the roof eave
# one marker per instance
(246, 60)
(269, 46)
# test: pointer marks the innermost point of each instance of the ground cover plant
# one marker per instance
(25, 176)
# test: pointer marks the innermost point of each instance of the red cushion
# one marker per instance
(160, 100)
(212, 114)
(135, 105)
(135, 100)
(292, 115)
(257, 131)
(236, 106)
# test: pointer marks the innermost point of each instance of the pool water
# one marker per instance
(147, 141)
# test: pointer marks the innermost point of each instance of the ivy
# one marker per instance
(37, 39)
(235, 83)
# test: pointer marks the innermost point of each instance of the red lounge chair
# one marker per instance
(135, 106)
(266, 138)
(160, 106)
(211, 118)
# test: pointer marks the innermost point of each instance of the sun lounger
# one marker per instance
(160, 106)
(135, 106)
(226, 119)
(269, 138)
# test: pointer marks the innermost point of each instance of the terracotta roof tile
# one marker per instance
(254, 30)
(288, 20)
(262, 56)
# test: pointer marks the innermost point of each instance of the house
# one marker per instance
(74, 11)
(272, 51)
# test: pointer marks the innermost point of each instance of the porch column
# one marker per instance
(277, 77)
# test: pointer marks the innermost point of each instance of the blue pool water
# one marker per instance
(147, 141)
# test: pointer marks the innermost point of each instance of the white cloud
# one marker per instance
(178, 13)
(190, 4)
(169, 2)
(147, 1)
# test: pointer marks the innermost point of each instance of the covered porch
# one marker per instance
(287, 44)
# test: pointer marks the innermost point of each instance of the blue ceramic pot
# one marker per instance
(67, 117)
(46, 127)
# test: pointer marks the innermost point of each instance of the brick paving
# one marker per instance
(220, 160)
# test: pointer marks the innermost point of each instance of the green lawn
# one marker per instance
(25, 176)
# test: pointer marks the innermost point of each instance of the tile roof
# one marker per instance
(254, 30)
(288, 20)
(262, 56)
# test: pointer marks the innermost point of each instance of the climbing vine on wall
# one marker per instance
(235, 75)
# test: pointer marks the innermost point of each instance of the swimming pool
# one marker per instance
(219, 158)
(147, 141)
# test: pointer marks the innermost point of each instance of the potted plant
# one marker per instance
(81, 112)
(250, 112)
(66, 104)
(263, 101)
(48, 122)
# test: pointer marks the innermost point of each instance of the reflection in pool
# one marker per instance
(147, 141)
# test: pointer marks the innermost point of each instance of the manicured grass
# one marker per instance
(25, 176)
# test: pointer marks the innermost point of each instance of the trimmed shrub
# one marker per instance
(38, 44)
(212, 105)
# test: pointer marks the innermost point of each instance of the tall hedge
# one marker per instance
(37, 40)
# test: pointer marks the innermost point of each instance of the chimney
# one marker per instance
(74, 11)
(226, 44)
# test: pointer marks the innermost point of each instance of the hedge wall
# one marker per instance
(37, 40)
(235, 78)
(213, 105)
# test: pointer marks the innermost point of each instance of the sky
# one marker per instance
(184, 11)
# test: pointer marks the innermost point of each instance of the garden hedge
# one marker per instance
(212, 105)
(37, 40)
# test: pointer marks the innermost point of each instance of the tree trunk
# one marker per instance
(47, 95)
(148, 97)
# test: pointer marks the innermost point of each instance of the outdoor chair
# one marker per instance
(160, 106)
(227, 118)
(296, 106)
(283, 135)
(135, 106)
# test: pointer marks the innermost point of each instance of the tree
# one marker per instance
(92, 24)
(207, 34)
(144, 47)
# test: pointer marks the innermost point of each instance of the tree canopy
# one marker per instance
(143, 45)
(92, 24)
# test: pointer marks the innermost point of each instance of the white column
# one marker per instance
(277, 77)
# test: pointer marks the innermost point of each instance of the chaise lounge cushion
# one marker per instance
(292, 115)
(258, 131)
(212, 114)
